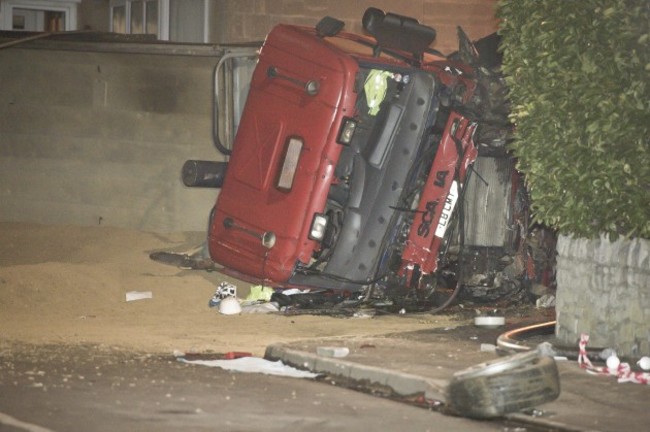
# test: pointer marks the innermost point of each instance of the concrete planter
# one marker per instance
(603, 289)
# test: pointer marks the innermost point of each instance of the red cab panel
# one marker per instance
(284, 154)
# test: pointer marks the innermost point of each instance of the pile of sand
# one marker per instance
(68, 284)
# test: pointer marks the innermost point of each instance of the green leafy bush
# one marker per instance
(579, 80)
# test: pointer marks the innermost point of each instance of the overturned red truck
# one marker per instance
(373, 164)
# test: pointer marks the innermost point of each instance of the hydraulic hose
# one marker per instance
(451, 298)
(509, 342)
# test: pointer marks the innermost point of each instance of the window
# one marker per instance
(38, 15)
(186, 21)
(118, 24)
(136, 17)
(176, 20)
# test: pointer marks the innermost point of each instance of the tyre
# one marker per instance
(506, 385)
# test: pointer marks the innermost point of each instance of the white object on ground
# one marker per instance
(545, 301)
(337, 352)
(292, 291)
(138, 295)
(363, 314)
(612, 362)
(489, 321)
(485, 347)
(644, 363)
(255, 365)
(257, 308)
(229, 306)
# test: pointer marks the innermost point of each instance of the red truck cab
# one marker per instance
(350, 166)
(284, 155)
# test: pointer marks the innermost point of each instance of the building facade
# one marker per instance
(235, 21)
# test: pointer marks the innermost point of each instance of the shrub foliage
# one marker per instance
(579, 79)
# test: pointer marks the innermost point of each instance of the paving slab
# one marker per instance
(421, 362)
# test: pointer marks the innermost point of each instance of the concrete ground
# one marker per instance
(65, 286)
(85, 388)
(422, 362)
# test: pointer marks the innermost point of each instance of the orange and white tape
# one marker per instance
(623, 372)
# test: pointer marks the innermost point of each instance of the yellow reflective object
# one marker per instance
(375, 87)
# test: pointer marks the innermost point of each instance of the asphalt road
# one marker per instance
(86, 388)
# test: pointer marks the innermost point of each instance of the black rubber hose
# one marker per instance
(451, 298)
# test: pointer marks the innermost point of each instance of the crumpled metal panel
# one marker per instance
(488, 203)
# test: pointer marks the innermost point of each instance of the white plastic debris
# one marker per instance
(488, 347)
(337, 352)
(364, 314)
(545, 301)
(489, 321)
(254, 365)
(644, 363)
(292, 291)
(259, 308)
(138, 295)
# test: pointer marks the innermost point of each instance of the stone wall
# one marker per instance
(92, 134)
(603, 289)
(246, 20)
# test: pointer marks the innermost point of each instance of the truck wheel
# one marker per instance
(503, 386)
